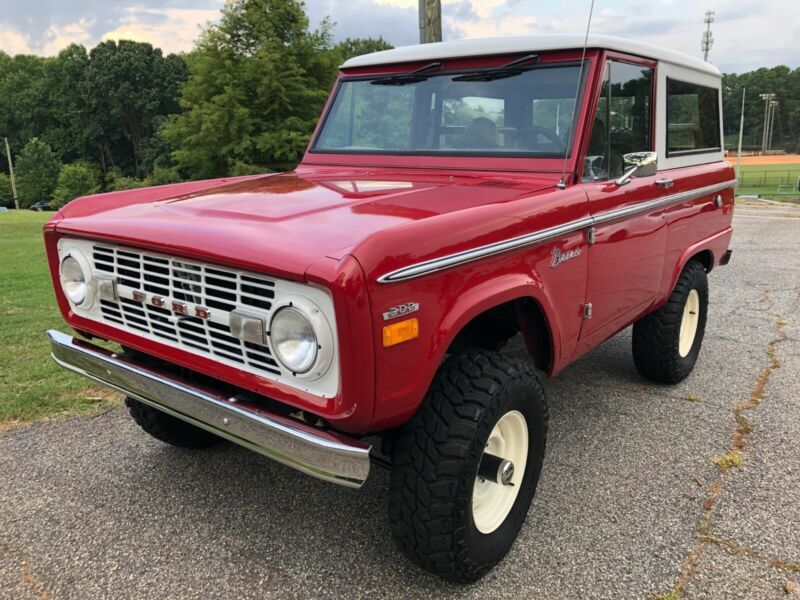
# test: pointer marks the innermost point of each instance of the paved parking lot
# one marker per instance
(630, 504)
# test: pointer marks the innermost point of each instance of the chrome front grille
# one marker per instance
(213, 289)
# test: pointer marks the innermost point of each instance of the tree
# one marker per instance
(37, 173)
(105, 105)
(75, 180)
(24, 107)
(6, 193)
(129, 85)
(258, 80)
(785, 84)
(349, 47)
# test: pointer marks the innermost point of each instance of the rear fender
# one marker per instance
(716, 244)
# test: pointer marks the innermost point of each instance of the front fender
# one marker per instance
(448, 302)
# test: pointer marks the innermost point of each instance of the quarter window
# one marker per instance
(692, 118)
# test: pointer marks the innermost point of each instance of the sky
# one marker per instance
(748, 33)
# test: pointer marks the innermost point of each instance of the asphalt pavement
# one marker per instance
(631, 503)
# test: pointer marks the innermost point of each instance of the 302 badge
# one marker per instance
(400, 310)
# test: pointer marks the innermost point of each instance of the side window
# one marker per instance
(692, 118)
(623, 122)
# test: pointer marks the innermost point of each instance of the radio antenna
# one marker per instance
(562, 184)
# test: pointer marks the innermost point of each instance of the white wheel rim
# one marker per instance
(491, 502)
(691, 316)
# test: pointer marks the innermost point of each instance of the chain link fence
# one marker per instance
(784, 182)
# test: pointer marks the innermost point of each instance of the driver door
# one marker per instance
(627, 256)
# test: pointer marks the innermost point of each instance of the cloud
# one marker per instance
(366, 18)
(172, 30)
(40, 22)
(13, 42)
(748, 33)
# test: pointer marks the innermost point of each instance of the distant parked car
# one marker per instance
(40, 206)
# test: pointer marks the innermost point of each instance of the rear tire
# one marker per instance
(169, 429)
(443, 516)
(666, 343)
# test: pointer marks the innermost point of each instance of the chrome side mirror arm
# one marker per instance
(625, 178)
(642, 164)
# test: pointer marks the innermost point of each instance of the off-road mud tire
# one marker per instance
(436, 456)
(656, 337)
(168, 429)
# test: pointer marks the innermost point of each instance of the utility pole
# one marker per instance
(430, 21)
(741, 132)
(708, 38)
(11, 173)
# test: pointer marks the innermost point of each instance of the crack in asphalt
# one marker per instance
(791, 567)
(27, 576)
(740, 437)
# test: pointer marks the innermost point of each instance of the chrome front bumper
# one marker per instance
(317, 452)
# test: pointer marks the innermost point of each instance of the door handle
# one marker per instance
(665, 183)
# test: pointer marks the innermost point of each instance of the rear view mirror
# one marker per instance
(640, 164)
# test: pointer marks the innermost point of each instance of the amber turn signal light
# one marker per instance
(400, 332)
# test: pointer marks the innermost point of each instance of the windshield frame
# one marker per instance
(467, 65)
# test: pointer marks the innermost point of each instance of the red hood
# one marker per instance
(283, 223)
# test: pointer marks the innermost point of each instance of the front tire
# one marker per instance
(169, 429)
(445, 516)
(666, 343)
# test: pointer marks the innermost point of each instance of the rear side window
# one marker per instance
(692, 118)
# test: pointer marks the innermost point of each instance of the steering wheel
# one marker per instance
(527, 138)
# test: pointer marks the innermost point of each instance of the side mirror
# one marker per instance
(641, 164)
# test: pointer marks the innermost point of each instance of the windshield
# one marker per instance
(522, 113)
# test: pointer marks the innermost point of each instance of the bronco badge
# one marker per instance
(560, 257)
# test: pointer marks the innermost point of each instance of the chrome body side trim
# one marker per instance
(466, 256)
(316, 452)
(662, 202)
(438, 264)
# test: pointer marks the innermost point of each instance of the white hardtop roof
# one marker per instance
(533, 43)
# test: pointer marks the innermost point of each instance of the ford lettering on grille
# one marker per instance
(185, 302)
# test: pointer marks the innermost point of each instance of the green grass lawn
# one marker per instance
(31, 385)
(764, 180)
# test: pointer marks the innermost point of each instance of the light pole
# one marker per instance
(741, 132)
(11, 173)
(773, 105)
(767, 98)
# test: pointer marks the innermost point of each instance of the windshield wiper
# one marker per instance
(405, 78)
(507, 70)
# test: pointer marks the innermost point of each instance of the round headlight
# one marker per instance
(73, 280)
(294, 340)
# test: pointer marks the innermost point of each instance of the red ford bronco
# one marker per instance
(453, 196)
